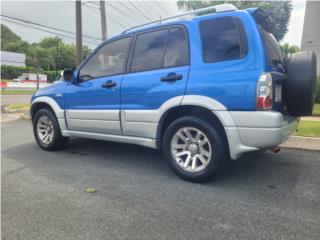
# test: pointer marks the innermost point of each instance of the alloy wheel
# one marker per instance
(191, 149)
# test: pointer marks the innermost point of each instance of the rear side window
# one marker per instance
(160, 49)
(222, 39)
(273, 51)
(149, 50)
(176, 53)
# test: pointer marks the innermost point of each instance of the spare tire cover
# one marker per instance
(300, 87)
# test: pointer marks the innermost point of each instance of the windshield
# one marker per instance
(274, 54)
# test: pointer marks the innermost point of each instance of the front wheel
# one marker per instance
(47, 131)
(194, 149)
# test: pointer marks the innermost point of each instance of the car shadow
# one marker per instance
(258, 168)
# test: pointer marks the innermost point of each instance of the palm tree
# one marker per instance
(279, 11)
(288, 50)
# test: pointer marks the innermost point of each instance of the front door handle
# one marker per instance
(109, 84)
(171, 77)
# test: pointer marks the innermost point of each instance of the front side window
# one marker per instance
(108, 60)
(149, 50)
(221, 40)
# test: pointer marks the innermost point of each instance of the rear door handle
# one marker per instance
(171, 77)
(109, 84)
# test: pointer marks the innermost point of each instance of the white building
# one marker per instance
(311, 30)
(13, 59)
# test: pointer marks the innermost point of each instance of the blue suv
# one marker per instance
(204, 90)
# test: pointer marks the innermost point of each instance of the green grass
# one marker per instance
(18, 106)
(316, 110)
(308, 128)
(5, 80)
(17, 92)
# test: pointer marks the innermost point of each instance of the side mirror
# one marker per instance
(67, 75)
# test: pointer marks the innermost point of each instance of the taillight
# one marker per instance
(264, 92)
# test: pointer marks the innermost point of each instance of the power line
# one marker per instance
(53, 28)
(123, 13)
(129, 10)
(47, 31)
(161, 8)
(89, 8)
(150, 10)
(142, 13)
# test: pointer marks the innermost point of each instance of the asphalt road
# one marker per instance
(261, 196)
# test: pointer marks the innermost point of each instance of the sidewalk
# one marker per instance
(311, 118)
(309, 143)
(8, 117)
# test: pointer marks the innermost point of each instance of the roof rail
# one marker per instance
(218, 8)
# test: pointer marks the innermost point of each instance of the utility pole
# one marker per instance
(103, 20)
(35, 64)
(57, 55)
(38, 79)
(78, 33)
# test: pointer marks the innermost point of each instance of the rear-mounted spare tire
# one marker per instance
(300, 87)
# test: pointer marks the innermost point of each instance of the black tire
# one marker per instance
(218, 155)
(58, 141)
(300, 87)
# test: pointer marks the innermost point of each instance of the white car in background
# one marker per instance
(31, 78)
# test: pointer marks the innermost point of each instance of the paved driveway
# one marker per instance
(261, 196)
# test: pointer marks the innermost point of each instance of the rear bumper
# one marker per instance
(249, 131)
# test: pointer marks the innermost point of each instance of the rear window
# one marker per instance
(149, 50)
(222, 39)
(176, 53)
(160, 49)
(273, 51)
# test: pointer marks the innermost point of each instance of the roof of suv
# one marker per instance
(260, 16)
(221, 8)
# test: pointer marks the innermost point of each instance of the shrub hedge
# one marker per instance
(11, 72)
(318, 90)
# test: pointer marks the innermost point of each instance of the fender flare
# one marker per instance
(59, 112)
(197, 101)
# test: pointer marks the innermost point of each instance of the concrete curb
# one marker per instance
(18, 112)
(297, 142)
(6, 110)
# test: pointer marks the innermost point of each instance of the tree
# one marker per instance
(7, 36)
(279, 11)
(44, 53)
(288, 50)
(20, 47)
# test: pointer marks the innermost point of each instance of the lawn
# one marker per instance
(17, 92)
(308, 128)
(316, 110)
(5, 80)
(19, 106)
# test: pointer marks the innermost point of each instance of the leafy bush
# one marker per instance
(11, 72)
(51, 75)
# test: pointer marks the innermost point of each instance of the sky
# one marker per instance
(120, 15)
(295, 28)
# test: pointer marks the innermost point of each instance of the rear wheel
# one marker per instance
(47, 131)
(194, 149)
